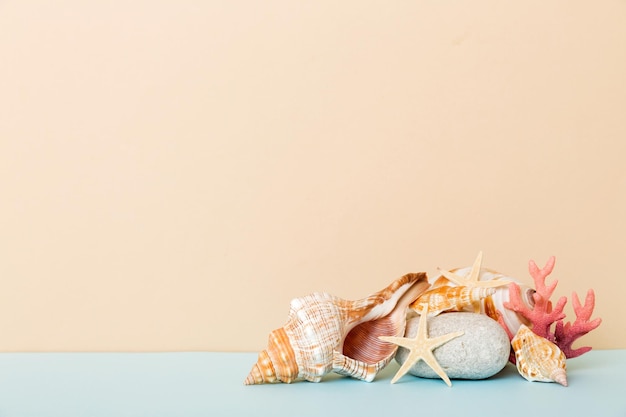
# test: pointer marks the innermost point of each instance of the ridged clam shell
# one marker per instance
(448, 298)
(537, 358)
(324, 333)
(493, 305)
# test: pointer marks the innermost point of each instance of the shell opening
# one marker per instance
(362, 342)
(529, 298)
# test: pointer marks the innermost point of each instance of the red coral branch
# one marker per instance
(542, 315)
(540, 275)
(566, 334)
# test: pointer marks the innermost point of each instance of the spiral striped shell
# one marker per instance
(493, 305)
(537, 358)
(448, 298)
(324, 333)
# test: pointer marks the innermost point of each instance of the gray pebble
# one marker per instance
(481, 352)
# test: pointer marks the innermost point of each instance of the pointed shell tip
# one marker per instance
(561, 378)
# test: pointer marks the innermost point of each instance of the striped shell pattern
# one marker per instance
(537, 358)
(324, 334)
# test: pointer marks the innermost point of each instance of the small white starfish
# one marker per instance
(421, 347)
(473, 280)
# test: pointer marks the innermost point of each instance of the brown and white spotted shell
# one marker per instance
(537, 358)
(324, 333)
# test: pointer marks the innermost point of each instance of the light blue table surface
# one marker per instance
(211, 384)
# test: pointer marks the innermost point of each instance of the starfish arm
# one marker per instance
(457, 279)
(413, 358)
(435, 342)
(400, 341)
(432, 362)
(475, 272)
(422, 329)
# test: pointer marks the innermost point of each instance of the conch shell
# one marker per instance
(324, 333)
(446, 297)
(493, 305)
(537, 358)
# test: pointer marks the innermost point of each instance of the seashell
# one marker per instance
(446, 297)
(324, 333)
(493, 305)
(538, 359)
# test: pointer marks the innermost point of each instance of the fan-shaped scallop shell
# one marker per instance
(324, 333)
(537, 358)
(446, 297)
(493, 305)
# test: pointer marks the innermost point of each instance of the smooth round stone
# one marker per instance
(478, 354)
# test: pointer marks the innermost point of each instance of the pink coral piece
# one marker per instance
(542, 315)
(565, 335)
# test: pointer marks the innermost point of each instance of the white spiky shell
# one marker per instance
(537, 358)
(493, 305)
(324, 333)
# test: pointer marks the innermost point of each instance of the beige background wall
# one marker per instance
(173, 173)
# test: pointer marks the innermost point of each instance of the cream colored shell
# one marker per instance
(324, 333)
(537, 358)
